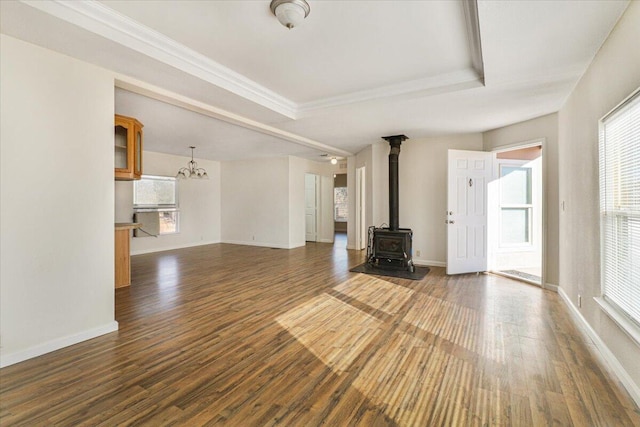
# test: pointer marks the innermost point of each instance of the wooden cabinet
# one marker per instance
(122, 253)
(128, 148)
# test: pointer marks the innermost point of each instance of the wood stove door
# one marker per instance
(466, 217)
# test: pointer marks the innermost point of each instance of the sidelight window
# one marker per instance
(516, 205)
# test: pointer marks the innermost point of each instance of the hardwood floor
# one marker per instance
(244, 336)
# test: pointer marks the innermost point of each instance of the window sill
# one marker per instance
(628, 326)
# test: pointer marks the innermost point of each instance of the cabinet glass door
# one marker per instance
(121, 147)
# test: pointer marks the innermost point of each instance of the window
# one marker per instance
(158, 194)
(516, 205)
(340, 204)
(620, 211)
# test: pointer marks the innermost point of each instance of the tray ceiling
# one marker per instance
(354, 70)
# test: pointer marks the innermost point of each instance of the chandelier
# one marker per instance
(192, 170)
(290, 13)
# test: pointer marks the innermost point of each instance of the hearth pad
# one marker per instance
(418, 274)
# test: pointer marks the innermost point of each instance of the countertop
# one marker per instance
(127, 225)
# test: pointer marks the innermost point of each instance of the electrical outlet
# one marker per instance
(253, 237)
(579, 301)
(417, 253)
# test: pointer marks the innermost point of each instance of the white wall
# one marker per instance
(612, 76)
(545, 127)
(56, 216)
(297, 170)
(380, 182)
(199, 202)
(255, 202)
(423, 190)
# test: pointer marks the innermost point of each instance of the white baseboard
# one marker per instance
(57, 344)
(429, 263)
(550, 287)
(325, 241)
(606, 354)
(172, 247)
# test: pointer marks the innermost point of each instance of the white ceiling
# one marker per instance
(351, 72)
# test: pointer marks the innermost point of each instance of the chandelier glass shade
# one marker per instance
(290, 13)
(192, 170)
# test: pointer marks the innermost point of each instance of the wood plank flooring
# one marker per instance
(246, 336)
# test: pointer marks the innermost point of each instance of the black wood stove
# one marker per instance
(390, 248)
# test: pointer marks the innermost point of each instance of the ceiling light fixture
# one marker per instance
(192, 170)
(334, 161)
(290, 13)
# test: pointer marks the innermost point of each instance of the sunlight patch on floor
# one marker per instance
(406, 374)
(334, 331)
(458, 324)
(376, 293)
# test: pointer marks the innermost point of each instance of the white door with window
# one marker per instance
(469, 173)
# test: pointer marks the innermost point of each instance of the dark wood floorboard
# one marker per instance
(247, 336)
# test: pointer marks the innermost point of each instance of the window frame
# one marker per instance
(160, 207)
(607, 302)
(335, 206)
(512, 163)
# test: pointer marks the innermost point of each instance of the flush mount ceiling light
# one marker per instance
(192, 170)
(290, 13)
(334, 160)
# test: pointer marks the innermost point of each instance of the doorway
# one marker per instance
(340, 209)
(515, 212)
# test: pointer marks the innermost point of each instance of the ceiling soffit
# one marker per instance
(172, 98)
(102, 20)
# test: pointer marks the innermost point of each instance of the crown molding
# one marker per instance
(420, 87)
(159, 94)
(472, 22)
(100, 19)
(97, 18)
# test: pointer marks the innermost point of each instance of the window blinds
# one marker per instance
(620, 207)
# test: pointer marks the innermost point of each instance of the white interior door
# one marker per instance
(311, 182)
(469, 174)
(361, 226)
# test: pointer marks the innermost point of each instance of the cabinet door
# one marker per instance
(123, 148)
(128, 146)
(137, 170)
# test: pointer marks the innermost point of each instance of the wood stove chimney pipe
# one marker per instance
(394, 193)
